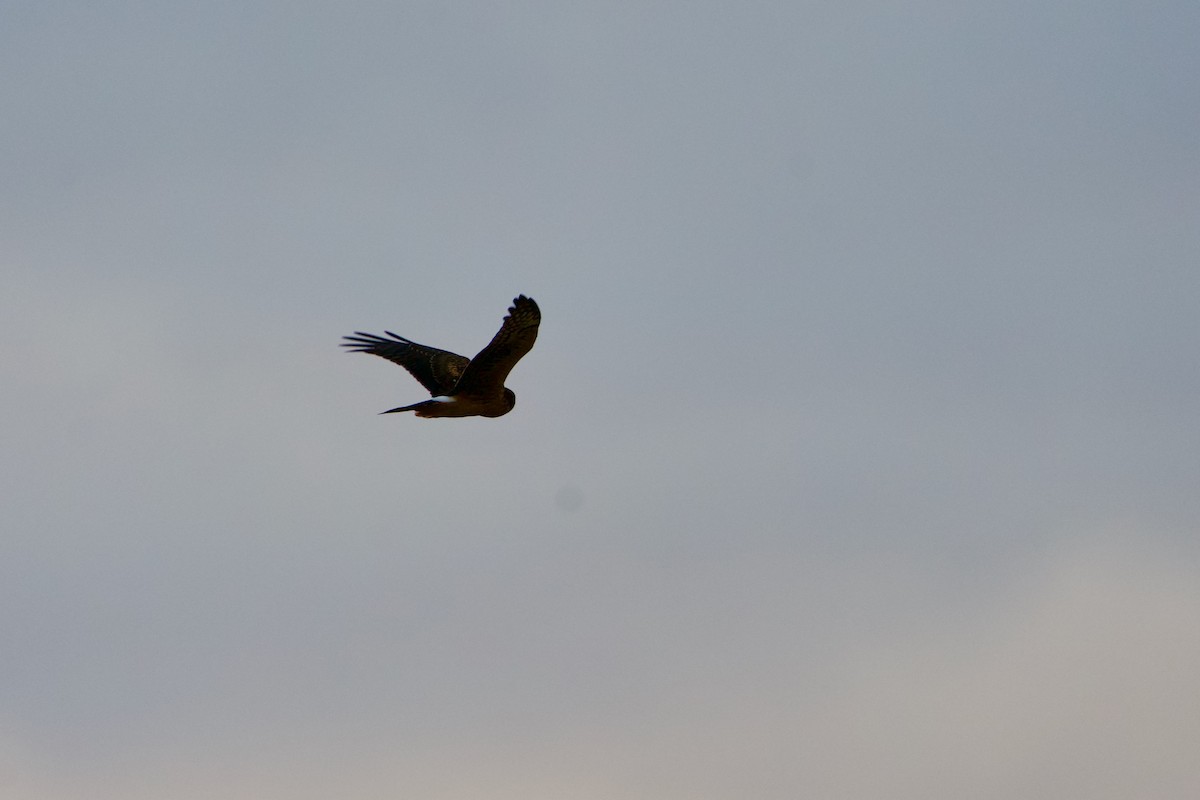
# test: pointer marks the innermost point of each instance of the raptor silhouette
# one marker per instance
(461, 386)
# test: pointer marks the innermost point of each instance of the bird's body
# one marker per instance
(451, 406)
(461, 387)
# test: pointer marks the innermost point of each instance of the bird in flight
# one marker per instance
(461, 386)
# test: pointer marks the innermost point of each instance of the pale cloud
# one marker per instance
(1077, 679)
(1081, 683)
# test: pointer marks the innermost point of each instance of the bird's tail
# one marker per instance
(413, 407)
(441, 406)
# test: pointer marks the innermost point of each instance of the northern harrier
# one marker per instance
(461, 386)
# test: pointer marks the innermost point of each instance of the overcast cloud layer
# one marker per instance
(857, 458)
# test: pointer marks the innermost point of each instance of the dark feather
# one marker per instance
(486, 372)
(437, 370)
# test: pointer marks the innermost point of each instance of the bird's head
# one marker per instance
(510, 400)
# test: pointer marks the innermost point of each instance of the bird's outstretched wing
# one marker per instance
(437, 370)
(486, 372)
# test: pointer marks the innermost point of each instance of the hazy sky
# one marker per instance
(858, 457)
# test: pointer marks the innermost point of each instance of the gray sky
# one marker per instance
(857, 458)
